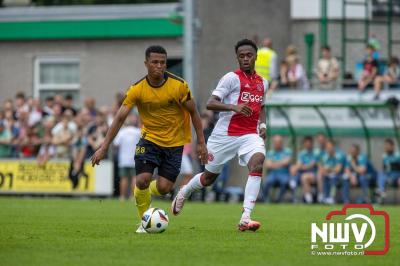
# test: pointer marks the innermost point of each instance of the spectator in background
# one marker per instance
(68, 104)
(57, 112)
(296, 75)
(78, 152)
(370, 69)
(267, 63)
(20, 104)
(108, 114)
(58, 99)
(327, 69)
(11, 124)
(355, 173)
(90, 105)
(35, 111)
(126, 141)
(283, 74)
(391, 76)
(23, 131)
(96, 134)
(62, 137)
(48, 106)
(186, 164)
(5, 140)
(29, 146)
(376, 44)
(290, 51)
(68, 118)
(47, 150)
(305, 170)
(331, 167)
(391, 167)
(9, 107)
(277, 164)
(319, 152)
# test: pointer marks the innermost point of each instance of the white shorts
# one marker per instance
(222, 149)
(186, 166)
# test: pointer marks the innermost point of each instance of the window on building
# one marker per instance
(57, 75)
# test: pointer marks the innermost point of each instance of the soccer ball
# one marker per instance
(155, 220)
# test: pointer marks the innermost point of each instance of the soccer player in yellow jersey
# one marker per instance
(165, 106)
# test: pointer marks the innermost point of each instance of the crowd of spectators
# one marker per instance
(318, 171)
(57, 130)
(54, 129)
(371, 72)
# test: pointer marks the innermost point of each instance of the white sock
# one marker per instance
(308, 197)
(193, 185)
(250, 195)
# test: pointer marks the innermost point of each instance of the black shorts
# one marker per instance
(149, 156)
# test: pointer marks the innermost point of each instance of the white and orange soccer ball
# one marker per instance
(155, 220)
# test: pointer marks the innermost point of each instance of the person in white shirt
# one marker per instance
(296, 75)
(327, 69)
(126, 141)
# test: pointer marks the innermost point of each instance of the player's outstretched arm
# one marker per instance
(215, 104)
(196, 121)
(111, 133)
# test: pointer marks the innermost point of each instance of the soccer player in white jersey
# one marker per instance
(240, 130)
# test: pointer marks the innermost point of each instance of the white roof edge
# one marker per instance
(83, 12)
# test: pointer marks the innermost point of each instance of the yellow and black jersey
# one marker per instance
(165, 120)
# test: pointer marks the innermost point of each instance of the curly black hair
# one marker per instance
(158, 49)
(245, 42)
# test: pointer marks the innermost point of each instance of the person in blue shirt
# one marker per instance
(330, 168)
(391, 167)
(277, 164)
(304, 170)
(319, 151)
(355, 173)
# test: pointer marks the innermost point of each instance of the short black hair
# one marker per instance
(158, 49)
(389, 141)
(356, 146)
(326, 47)
(69, 97)
(245, 42)
(307, 138)
(20, 95)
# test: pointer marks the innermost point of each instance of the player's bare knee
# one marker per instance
(142, 183)
(257, 168)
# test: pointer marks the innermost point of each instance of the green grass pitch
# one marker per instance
(43, 231)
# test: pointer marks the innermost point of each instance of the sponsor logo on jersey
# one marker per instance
(248, 97)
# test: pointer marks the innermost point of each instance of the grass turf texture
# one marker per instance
(37, 231)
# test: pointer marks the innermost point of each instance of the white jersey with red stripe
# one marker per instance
(235, 88)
